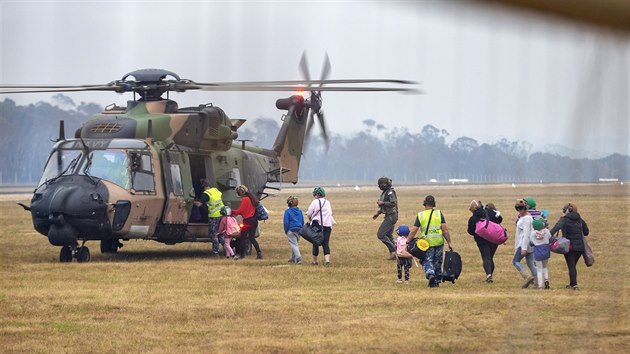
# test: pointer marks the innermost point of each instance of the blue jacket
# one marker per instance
(293, 219)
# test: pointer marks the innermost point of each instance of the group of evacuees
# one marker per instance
(531, 232)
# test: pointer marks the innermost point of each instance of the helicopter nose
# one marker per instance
(69, 209)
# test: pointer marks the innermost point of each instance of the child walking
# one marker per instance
(404, 257)
(293, 222)
(540, 239)
(228, 226)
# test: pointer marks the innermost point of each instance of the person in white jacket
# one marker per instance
(521, 244)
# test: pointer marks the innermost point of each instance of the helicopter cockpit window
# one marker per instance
(142, 172)
(110, 165)
(61, 162)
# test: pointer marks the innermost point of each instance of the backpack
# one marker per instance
(261, 212)
(491, 231)
(401, 248)
(452, 266)
(232, 227)
(542, 252)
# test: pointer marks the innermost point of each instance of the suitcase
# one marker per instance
(452, 266)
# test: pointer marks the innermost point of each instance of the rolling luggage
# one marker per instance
(452, 266)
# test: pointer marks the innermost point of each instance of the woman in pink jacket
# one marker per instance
(324, 218)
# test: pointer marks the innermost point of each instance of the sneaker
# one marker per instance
(259, 255)
(406, 282)
(547, 284)
(314, 263)
(299, 261)
(392, 256)
(291, 260)
(529, 281)
(398, 281)
(236, 257)
(574, 287)
(489, 278)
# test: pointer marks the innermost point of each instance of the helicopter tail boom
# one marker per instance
(290, 140)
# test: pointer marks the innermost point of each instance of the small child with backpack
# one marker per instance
(403, 257)
(228, 226)
(293, 222)
(542, 251)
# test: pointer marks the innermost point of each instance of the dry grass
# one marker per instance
(156, 298)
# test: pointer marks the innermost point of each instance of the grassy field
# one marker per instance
(164, 299)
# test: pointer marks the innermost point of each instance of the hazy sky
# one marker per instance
(488, 73)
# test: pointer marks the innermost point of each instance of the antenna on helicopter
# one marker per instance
(62, 131)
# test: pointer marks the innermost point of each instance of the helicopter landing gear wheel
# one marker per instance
(83, 254)
(65, 255)
(110, 246)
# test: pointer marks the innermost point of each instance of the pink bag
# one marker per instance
(231, 226)
(491, 231)
(401, 248)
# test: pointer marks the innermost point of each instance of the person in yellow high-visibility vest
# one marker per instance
(431, 223)
(211, 197)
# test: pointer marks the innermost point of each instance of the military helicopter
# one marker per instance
(133, 172)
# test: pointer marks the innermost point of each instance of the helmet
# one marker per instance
(531, 202)
(403, 230)
(240, 190)
(292, 201)
(384, 183)
(226, 210)
(319, 192)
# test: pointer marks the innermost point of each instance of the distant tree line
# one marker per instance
(28, 132)
(409, 157)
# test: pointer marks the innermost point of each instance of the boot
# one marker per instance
(528, 278)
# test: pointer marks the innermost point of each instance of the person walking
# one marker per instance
(212, 202)
(486, 248)
(522, 248)
(293, 222)
(540, 239)
(247, 210)
(387, 205)
(325, 219)
(229, 228)
(404, 257)
(575, 229)
(432, 224)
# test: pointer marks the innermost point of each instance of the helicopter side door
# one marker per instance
(176, 173)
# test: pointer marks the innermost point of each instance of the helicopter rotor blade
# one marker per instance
(322, 124)
(304, 67)
(325, 70)
(299, 88)
(11, 89)
(309, 126)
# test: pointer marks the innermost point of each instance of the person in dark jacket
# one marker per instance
(573, 228)
(487, 249)
(387, 205)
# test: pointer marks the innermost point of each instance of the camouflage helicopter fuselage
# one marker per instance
(134, 172)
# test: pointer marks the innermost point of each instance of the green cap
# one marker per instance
(531, 202)
(538, 224)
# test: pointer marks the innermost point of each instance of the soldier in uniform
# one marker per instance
(388, 205)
